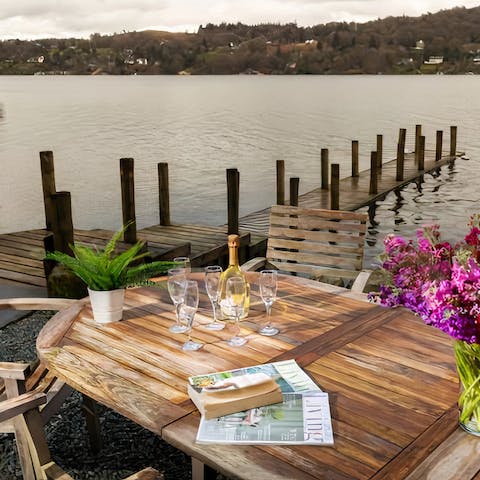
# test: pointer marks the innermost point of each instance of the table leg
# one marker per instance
(200, 471)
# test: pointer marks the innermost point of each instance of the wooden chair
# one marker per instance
(25, 409)
(18, 378)
(326, 245)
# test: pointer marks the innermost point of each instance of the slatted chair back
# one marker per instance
(24, 411)
(317, 243)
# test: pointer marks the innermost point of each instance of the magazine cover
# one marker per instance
(287, 374)
(302, 418)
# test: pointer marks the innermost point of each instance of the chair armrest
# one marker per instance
(15, 371)
(148, 473)
(35, 303)
(361, 280)
(254, 264)
(21, 404)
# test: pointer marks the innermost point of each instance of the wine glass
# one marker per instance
(212, 282)
(188, 308)
(268, 291)
(176, 288)
(236, 293)
(184, 262)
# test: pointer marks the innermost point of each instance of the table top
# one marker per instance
(391, 379)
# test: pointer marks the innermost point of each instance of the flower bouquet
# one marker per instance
(441, 283)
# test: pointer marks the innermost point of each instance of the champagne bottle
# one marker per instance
(233, 270)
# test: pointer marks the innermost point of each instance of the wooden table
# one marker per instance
(392, 381)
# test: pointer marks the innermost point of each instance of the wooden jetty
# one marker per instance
(361, 188)
(22, 253)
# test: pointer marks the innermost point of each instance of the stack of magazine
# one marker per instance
(302, 418)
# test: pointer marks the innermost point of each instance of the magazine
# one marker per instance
(302, 418)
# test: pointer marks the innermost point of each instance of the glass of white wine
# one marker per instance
(176, 288)
(188, 308)
(212, 283)
(268, 291)
(236, 293)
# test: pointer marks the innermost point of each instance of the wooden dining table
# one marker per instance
(392, 382)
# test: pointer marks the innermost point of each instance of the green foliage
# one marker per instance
(102, 269)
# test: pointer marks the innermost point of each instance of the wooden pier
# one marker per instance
(22, 253)
(354, 192)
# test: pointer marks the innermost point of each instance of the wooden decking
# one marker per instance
(22, 253)
(354, 191)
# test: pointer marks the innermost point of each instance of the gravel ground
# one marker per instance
(127, 447)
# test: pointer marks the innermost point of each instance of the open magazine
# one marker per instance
(302, 418)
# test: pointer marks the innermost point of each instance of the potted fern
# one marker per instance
(107, 274)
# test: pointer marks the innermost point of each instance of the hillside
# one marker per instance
(444, 42)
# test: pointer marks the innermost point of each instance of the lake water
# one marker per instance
(204, 125)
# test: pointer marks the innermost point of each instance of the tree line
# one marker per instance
(389, 46)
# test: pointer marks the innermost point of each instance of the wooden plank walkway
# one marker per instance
(354, 191)
(22, 253)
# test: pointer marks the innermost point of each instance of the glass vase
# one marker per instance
(467, 356)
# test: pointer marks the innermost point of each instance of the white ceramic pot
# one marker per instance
(107, 305)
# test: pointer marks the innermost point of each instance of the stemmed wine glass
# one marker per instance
(212, 281)
(268, 292)
(236, 293)
(188, 308)
(184, 262)
(176, 288)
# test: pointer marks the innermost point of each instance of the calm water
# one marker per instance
(203, 125)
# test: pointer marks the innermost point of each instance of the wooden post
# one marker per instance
(379, 152)
(354, 158)
(324, 159)
(62, 226)
(48, 184)
(402, 135)
(163, 194)
(421, 153)
(233, 196)
(294, 182)
(128, 199)
(280, 182)
(439, 145)
(400, 162)
(453, 141)
(335, 187)
(373, 174)
(418, 133)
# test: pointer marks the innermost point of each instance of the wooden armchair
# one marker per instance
(18, 378)
(326, 245)
(25, 410)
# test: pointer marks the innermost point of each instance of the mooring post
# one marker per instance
(48, 184)
(453, 141)
(379, 152)
(128, 199)
(294, 182)
(439, 145)
(335, 187)
(355, 158)
(418, 133)
(402, 135)
(421, 153)
(324, 160)
(163, 194)
(233, 200)
(280, 182)
(62, 226)
(373, 174)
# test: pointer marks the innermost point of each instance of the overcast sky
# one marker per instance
(28, 19)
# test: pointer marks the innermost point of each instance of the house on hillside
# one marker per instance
(434, 60)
